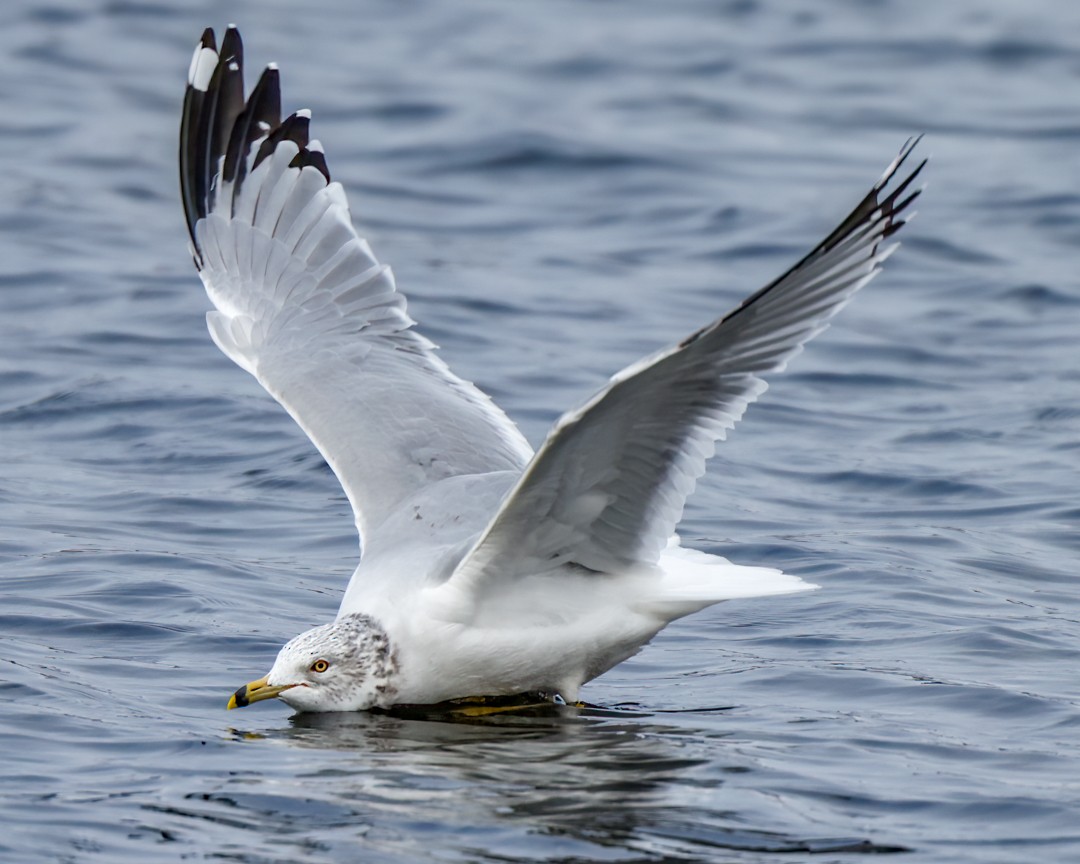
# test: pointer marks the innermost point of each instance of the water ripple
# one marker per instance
(560, 189)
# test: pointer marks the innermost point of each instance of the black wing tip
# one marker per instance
(297, 128)
(308, 158)
(219, 127)
(293, 128)
(259, 116)
(877, 216)
(905, 151)
(874, 208)
(231, 43)
(893, 204)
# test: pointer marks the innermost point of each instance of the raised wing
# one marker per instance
(304, 306)
(608, 486)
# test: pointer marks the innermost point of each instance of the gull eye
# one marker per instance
(320, 665)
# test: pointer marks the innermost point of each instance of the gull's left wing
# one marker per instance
(304, 306)
(608, 486)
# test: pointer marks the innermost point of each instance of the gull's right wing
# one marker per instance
(304, 306)
(608, 486)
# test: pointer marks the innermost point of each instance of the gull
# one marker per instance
(487, 569)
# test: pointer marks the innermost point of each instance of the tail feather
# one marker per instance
(693, 580)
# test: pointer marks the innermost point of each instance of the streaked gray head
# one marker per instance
(348, 665)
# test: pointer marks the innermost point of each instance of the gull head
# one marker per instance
(348, 665)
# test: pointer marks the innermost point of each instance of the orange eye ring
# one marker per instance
(320, 665)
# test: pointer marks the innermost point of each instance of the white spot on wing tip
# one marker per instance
(272, 66)
(305, 113)
(203, 63)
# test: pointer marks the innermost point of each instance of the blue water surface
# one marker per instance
(561, 188)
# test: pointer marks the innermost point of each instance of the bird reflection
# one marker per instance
(590, 775)
(550, 782)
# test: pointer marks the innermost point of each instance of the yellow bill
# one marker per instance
(256, 691)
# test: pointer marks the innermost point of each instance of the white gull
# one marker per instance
(487, 569)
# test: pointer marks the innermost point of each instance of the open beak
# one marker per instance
(256, 691)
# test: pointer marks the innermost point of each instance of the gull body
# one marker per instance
(486, 569)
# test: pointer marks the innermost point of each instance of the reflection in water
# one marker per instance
(564, 773)
(584, 779)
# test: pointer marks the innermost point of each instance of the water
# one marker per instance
(561, 187)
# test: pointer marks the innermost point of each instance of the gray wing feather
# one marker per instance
(302, 303)
(608, 486)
